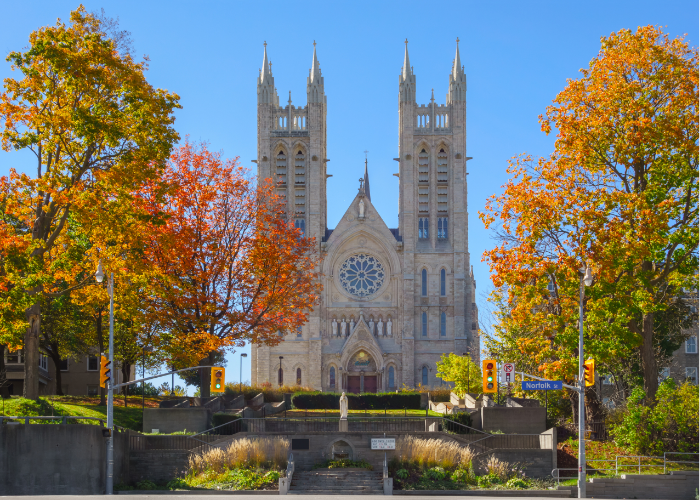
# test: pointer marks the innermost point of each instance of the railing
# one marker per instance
(63, 418)
(620, 465)
(286, 481)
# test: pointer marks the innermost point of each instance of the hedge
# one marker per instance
(368, 401)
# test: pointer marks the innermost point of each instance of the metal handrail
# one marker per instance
(64, 418)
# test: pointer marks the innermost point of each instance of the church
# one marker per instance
(394, 299)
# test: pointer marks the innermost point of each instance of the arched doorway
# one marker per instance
(362, 373)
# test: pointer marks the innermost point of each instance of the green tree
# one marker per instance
(461, 370)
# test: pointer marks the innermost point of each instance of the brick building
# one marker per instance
(394, 299)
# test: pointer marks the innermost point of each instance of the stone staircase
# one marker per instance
(350, 481)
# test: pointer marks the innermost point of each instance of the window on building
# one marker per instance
(442, 228)
(691, 345)
(391, 377)
(93, 363)
(423, 199)
(443, 324)
(299, 332)
(64, 365)
(550, 288)
(443, 282)
(691, 374)
(282, 168)
(14, 357)
(300, 201)
(664, 373)
(93, 390)
(332, 377)
(299, 169)
(424, 324)
(424, 376)
(300, 224)
(423, 167)
(298, 376)
(423, 227)
(424, 283)
(44, 362)
(280, 377)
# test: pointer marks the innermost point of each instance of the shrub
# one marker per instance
(177, 484)
(487, 480)
(402, 474)
(242, 452)
(435, 474)
(671, 424)
(462, 418)
(517, 483)
(344, 463)
(146, 485)
(369, 401)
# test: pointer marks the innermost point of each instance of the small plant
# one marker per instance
(435, 474)
(488, 480)
(402, 474)
(344, 463)
(464, 475)
(177, 484)
(146, 485)
(517, 483)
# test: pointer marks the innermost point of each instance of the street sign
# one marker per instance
(542, 385)
(384, 444)
(508, 373)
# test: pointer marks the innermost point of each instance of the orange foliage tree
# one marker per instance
(230, 270)
(98, 130)
(620, 192)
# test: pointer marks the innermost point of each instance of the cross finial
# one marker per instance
(362, 181)
(457, 39)
(290, 97)
(366, 153)
(406, 42)
(265, 43)
(314, 43)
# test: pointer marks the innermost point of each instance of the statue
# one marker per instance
(371, 325)
(388, 327)
(343, 406)
(343, 328)
(334, 328)
(380, 328)
(362, 208)
(352, 324)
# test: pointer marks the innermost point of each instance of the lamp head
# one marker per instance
(99, 275)
(244, 355)
(588, 277)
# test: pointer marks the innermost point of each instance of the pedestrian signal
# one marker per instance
(489, 375)
(217, 379)
(105, 370)
(589, 372)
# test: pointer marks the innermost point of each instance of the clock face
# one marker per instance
(361, 275)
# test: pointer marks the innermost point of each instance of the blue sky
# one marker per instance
(517, 57)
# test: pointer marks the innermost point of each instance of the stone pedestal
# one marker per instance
(343, 425)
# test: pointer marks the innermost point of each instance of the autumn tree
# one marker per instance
(98, 131)
(619, 192)
(230, 270)
(461, 370)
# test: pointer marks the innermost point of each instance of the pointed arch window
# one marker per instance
(300, 224)
(280, 377)
(443, 324)
(442, 174)
(331, 382)
(423, 228)
(424, 324)
(424, 283)
(281, 168)
(443, 282)
(392, 382)
(442, 228)
(298, 376)
(424, 376)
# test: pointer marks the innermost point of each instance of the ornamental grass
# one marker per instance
(434, 452)
(246, 452)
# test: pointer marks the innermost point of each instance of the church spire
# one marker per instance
(457, 70)
(315, 68)
(367, 180)
(407, 70)
(266, 83)
(458, 80)
(266, 70)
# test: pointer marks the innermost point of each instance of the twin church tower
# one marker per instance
(394, 299)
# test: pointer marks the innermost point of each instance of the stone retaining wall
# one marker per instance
(676, 485)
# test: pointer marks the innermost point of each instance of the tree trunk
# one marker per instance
(126, 368)
(205, 376)
(651, 371)
(4, 384)
(594, 411)
(100, 342)
(56, 360)
(31, 353)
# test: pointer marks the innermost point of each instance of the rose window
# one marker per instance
(361, 275)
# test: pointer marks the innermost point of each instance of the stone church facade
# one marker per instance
(394, 299)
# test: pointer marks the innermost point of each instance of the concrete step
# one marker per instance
(337, 482)
(333, 492)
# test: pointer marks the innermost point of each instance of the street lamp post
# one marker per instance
(243, 355)
(99, 276)
(587, 280)
(279, 373)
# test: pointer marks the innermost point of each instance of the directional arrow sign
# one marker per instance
(542, 385)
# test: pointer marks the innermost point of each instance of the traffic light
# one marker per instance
(489, 375)
(217, 379)
(589, 372)
(105, 370)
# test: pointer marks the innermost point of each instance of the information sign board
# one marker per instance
(383, 443)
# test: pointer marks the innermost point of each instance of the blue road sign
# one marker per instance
(542, 385)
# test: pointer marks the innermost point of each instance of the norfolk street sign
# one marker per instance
(542, 385)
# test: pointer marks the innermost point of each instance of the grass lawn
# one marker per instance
(130, 417)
